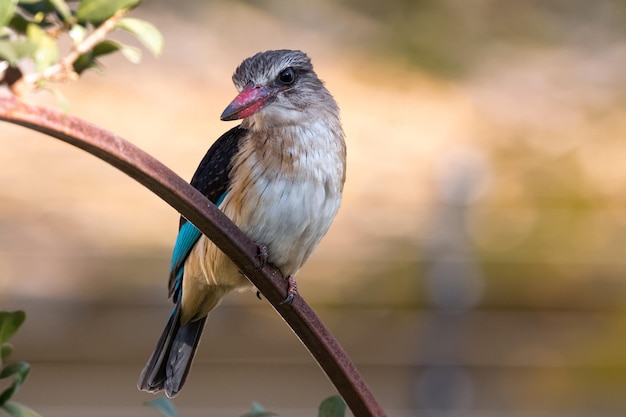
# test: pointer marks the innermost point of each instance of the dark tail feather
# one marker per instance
(171, 360)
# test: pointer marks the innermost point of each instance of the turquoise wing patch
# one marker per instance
(187, 237)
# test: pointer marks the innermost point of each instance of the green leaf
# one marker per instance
(108, 46)
(19, 410)
(105, 47)
(19, 371)
(19, 24)
(163, 405)
(38, 9)
(145, 32)
(10, 321)
(46, 52)
(258, 411)
(88, 60)
(257, 407)
(131, 53)
(5, 351)
(332, 407)
(84, 62)
(13, 51)
(63, 9)
(97, 11)
(7, 10)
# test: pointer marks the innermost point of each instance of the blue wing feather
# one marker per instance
(187, 237)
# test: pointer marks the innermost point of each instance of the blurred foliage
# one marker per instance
(259, 411)
(30, 31)
(331, 407)
(447, 37)
(164, 406)
(10, 322)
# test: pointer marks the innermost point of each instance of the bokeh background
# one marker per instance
(476, 267)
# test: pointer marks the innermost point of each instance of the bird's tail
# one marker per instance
(171, 360)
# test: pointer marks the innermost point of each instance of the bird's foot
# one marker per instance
(292, 290)
(258, 294)
(262, 254)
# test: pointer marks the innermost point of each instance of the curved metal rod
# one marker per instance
(213, 223)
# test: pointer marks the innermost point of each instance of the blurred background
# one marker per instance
(476, 267)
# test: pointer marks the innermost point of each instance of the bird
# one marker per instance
(279, 176)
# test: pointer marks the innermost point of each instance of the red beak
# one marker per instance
(249, 101)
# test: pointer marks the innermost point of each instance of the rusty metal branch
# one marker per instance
(213, 223)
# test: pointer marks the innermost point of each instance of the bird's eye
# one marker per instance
(287, 76)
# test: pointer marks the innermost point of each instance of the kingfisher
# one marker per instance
(279, 176)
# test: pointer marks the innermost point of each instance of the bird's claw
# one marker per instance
(261, 254)
(258, 294)
(292, 290)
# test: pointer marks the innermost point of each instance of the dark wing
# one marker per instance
(212, 176)
(211, 179)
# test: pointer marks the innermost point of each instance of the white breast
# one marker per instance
(288, 190)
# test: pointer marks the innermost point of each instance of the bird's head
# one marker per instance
(278, 88)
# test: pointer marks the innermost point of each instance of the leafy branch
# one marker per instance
(31, 29)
